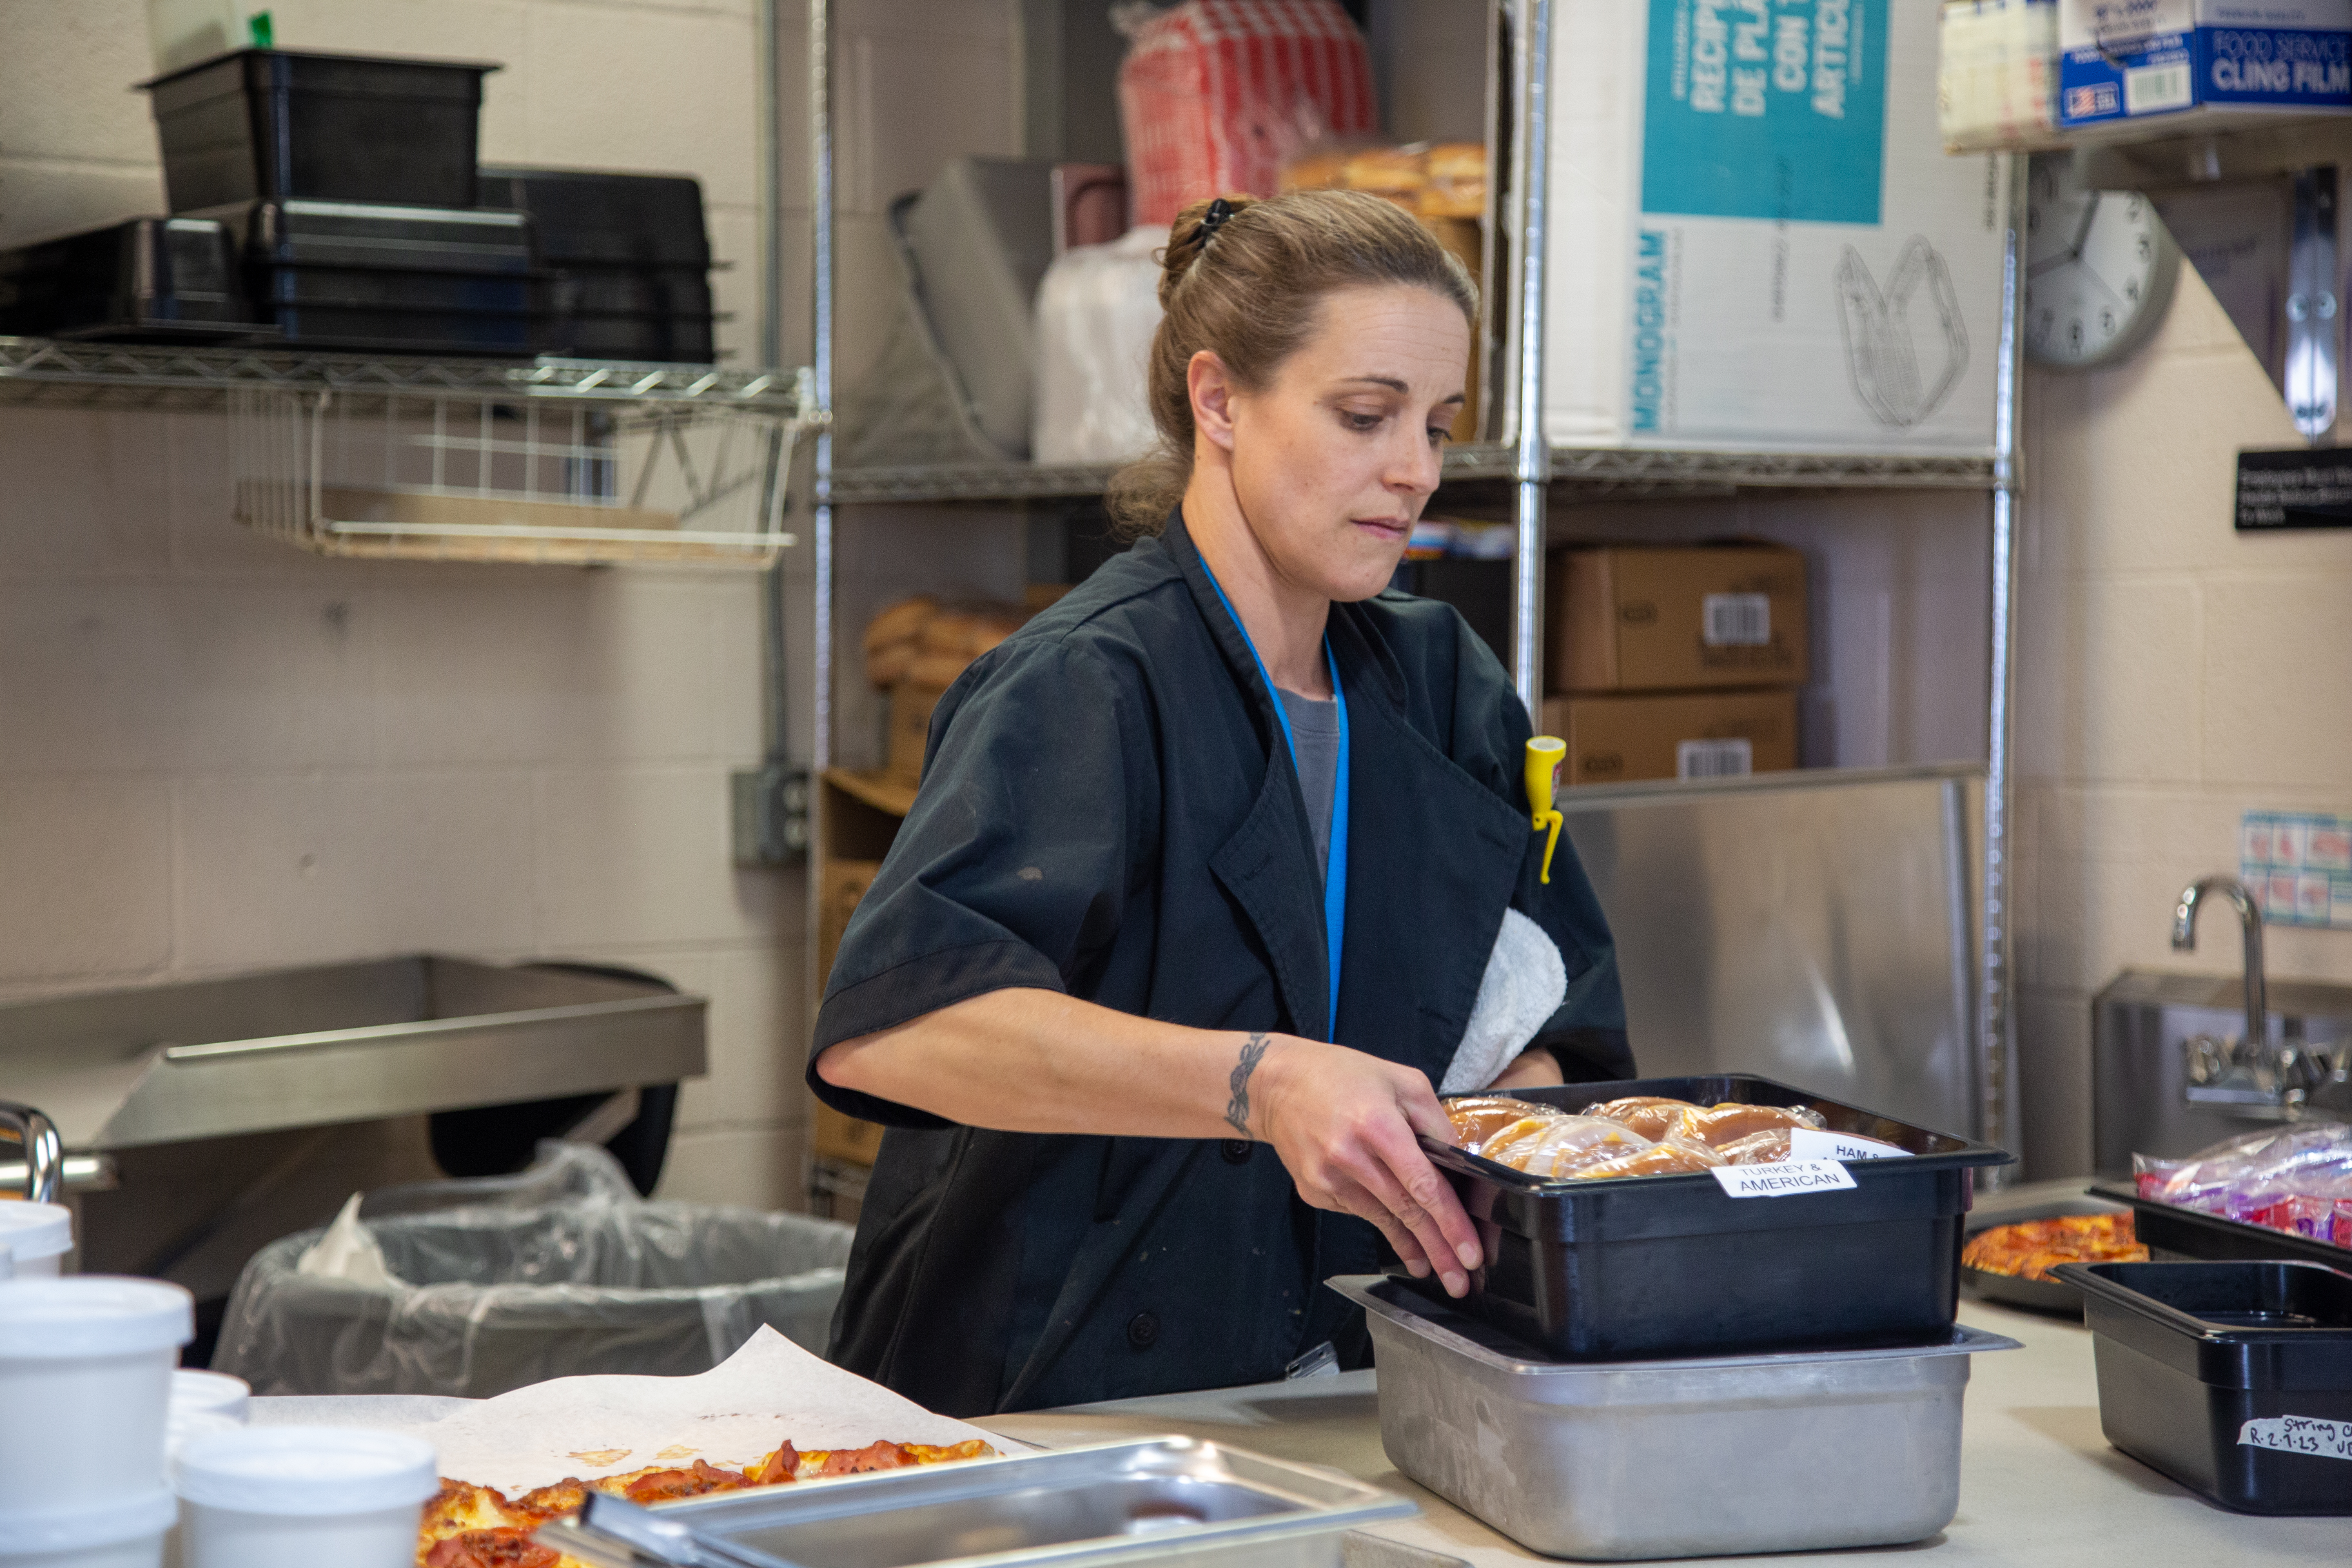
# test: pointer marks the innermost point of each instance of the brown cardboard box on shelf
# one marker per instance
(1659, 617)
(842, 883)
(911, 701)
(1682, 734)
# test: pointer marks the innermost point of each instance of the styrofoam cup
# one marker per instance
(37, 1236)
(294, 1497)
(120, 1532)
(86, 1369)
(216, 1393)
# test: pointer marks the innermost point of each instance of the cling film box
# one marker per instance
(1757, 241)
(2123, 62)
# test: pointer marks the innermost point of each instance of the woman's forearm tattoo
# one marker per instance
(1237, 1109)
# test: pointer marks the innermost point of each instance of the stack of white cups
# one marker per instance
(35, 1238)
(86, 1365)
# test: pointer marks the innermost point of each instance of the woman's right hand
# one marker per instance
(1343, 1124)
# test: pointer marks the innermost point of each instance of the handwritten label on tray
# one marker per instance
(2299, 1435)
(1782, 1179)
(1810, 1143)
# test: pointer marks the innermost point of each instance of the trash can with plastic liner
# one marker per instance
(561, 1270)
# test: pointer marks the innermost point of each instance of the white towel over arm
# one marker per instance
(1525, 982)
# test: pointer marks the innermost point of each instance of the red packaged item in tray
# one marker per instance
(1216, 94)
(2340, 1229)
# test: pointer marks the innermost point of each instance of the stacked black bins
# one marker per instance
(150, 279)
(2233, 1378)
(351, 184)
(1650, 1267)
(630, 257)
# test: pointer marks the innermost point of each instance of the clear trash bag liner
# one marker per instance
(561, 1271)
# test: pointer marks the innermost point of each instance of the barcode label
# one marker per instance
(1714, 759)
(1737, 620)
(2152, 87)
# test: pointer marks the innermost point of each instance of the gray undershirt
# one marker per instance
(1314, 726)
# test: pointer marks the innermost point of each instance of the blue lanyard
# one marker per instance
(1335, 875)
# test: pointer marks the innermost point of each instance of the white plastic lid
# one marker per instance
(312, 1471)
(36, 1230)
(213, 1392)
(7, 1262)
(28, 1533)
(92, 1315)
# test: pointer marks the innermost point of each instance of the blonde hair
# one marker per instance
(1248, 289)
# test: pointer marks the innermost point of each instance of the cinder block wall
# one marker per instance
(218, 753)
(2172, 675)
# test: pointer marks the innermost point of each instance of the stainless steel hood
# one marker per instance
(337, 1042)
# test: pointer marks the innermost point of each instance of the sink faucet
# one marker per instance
(2250, 918)
(43, 1159)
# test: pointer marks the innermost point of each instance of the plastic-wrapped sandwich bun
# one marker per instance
(1648, 1114)
(1727, 1123)
(1672, 1158)
(1477, 1118)
(1566, 1144)
(1766, 1148)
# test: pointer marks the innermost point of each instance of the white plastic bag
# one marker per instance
(1096, 310)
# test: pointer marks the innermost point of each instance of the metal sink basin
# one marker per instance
(2171, 1075)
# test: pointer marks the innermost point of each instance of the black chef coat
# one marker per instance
(1108, 810)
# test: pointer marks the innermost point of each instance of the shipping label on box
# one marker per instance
(1679, 735)
(1759, 242)
(2298, 865)
(2128, 59)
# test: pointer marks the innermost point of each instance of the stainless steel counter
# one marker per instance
(2039, 1485)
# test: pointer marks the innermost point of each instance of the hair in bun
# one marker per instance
(1244, 277)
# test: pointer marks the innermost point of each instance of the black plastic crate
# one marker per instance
(293, 125)
(684, 340)
(150, 279)
(2235, 1379)
(1673, 1266)
(595, 289)
(2191, 1233)
(391, 329)
(586, 215)
(366, 234)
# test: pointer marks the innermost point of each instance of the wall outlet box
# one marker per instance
(2213, 61)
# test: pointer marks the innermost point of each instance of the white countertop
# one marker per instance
(2039, 1485)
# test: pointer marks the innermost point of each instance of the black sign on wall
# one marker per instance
(2307, 486)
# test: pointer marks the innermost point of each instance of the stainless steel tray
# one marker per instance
(1162, 1500)
(1619, 1460)
(345, 1042)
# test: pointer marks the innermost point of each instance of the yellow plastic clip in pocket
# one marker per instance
(1545, 753)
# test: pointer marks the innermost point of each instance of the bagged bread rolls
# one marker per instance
(1672, 1158)
(1648, 1114)
(1563, 1145)
(1477, 1118)
(1766, 1148)
(1727, 1123)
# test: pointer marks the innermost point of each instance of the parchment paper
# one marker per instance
(768, 1393)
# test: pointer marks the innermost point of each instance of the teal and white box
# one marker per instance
(1755, 240)
(2122, 61)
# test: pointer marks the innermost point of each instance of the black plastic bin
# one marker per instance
(152, 278)
(408, 280)
(286, 124)
(2165, 1227)
(630, 256)
(1673, 1266)
(2235, 1379)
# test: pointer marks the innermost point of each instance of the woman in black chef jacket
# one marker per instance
(1194, 906)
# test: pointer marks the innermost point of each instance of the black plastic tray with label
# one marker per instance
(2235, 1379)
(1675, 1266)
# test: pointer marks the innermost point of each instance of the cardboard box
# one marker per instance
(1757, 240)
(832, 1136)
(1659, 617)
(911, 702)
(2200, 63)
(1690, 734)
(841, 883)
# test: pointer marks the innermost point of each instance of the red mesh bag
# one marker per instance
(1215, 94)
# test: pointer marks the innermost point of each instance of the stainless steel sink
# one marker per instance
(2171, 1072)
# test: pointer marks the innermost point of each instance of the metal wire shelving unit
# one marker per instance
(546, 461)
(1527, 473)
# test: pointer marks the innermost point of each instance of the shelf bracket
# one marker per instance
(2312, 305)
